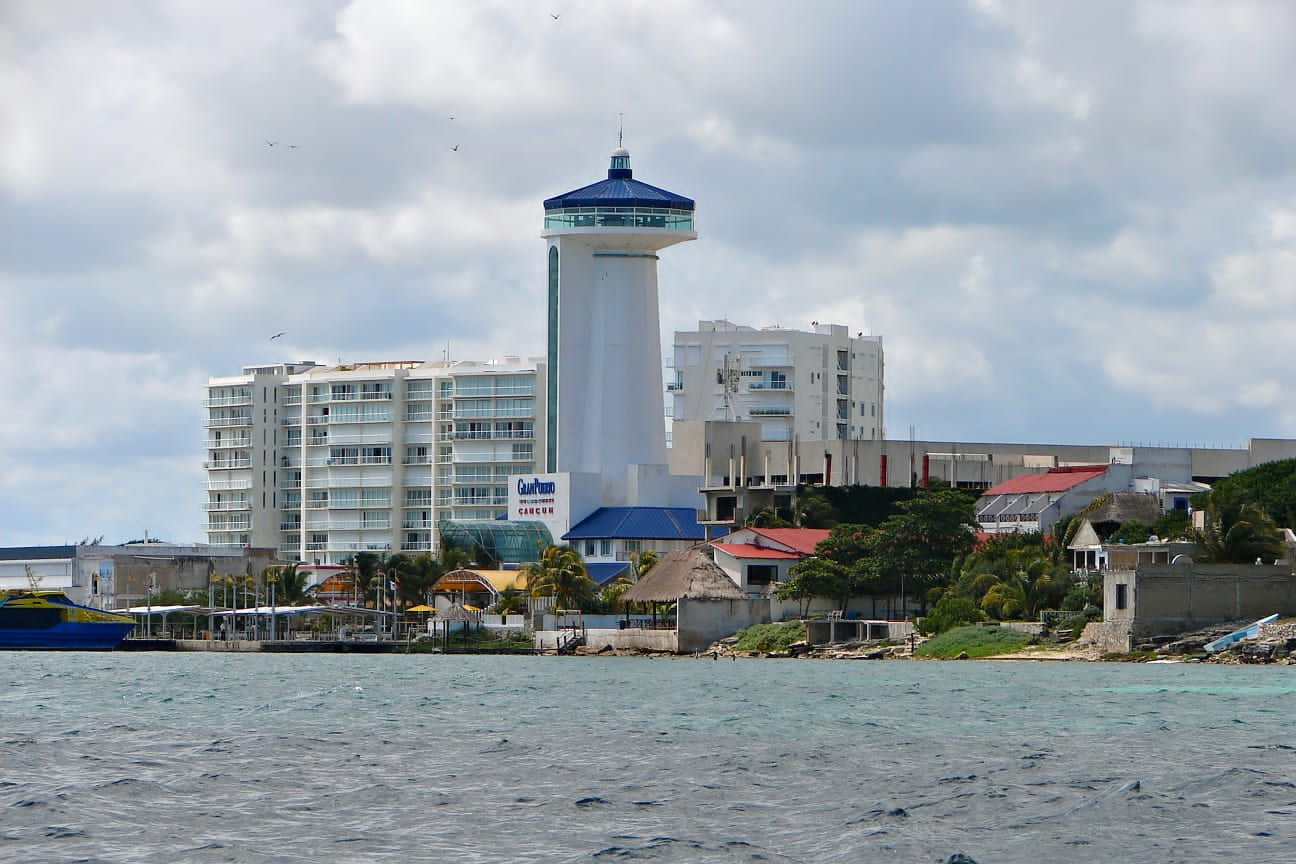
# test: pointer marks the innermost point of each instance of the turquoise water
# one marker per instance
(137, 757)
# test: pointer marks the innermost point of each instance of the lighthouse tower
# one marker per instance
(606, 415)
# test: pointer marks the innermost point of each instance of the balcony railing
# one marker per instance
(229, 485)
(762, 385)
(416, 546)
(229, 463)
(234, 525)
(212, 506)
(770, 412)
(417, 460)
(516, 434)
(227, 401)
(221, 422)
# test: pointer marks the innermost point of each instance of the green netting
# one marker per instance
(506, 542)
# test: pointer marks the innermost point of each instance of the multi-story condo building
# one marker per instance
(322, 462)
(799, 386)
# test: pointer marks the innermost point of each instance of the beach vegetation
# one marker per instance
(952, 610)
(973, 641)
(768, 638)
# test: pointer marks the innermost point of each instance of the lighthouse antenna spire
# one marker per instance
(620, 127)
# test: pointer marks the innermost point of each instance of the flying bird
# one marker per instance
(455, 147)
(271, 143)
(554, 15)
(277, 335)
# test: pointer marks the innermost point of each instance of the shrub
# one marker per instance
(951, 611)
(771, 637)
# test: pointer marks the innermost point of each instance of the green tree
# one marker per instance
(1238, 531)
(813, 510)
(510, 601)
(560, 574)
(766, 517)
(918, 544)
(290, 588)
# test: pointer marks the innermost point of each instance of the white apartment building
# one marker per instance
(799, 386)
(322, 462)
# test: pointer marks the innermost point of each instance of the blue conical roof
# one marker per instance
(620, 189)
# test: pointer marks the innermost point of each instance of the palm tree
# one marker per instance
(511, 600)
(560, 574)
(292, 588)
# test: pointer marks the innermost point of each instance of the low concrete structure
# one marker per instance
(1164, 599)
(835, 630)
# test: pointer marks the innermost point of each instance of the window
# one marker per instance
(762, 574)
(605, 547)
(1122, 596)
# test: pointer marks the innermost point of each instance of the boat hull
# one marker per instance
(37, 620)
(66, 636)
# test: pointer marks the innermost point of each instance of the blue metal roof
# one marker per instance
(603, 572)
(638, 523)
(620, 189)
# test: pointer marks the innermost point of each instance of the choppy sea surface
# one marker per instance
(161, 757)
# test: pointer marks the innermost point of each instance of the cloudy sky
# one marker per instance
(1069, 222)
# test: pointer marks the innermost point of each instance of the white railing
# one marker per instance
(227, 401)
(230, 463)
(213, 422)
(213, 506)
(229, 485)
(228, 443)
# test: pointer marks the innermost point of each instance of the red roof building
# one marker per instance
(1033, 502)
(759, 558)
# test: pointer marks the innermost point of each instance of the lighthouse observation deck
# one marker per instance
(620, 201)
(619, 217)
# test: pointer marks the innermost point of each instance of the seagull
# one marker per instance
(271, 143)
(554, 15)
(277, 335)
(292, 146)
(455, 147)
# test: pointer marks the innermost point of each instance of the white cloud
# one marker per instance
(1037, 206)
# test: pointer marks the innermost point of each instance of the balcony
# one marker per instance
(229, 443)
(225, 422)
(416, 546)
(289, 526)
(230, 525)
(769, 412)
(213, 506)
(228, 464)
(229, 485)
(785, 386)
(227, 401)
(417, 460)
(336, 461)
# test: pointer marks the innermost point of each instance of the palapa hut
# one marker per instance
(454, 613)
(708, 605)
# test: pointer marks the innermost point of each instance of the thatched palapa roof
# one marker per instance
(455, 612)
(685, 573)
(1126, 506)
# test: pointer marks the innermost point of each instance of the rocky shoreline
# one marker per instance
(1276, 644)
